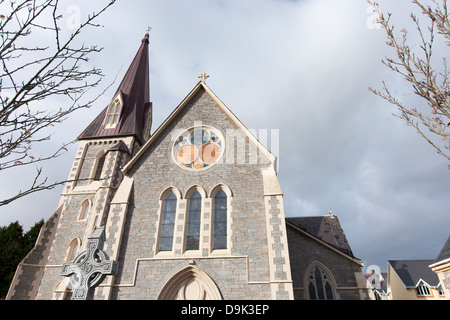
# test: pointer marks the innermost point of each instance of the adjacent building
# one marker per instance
(413, 280)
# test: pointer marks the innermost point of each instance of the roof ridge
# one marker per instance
(199, 86)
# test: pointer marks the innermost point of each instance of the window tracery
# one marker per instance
(113, 113)
(320, 284)
(198, 148)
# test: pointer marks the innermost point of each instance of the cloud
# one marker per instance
(300, 67)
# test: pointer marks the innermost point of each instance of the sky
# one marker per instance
(298, 68)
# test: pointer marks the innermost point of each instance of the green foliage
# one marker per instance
(14, 246)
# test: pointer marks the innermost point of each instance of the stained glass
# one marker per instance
(199, 136)
(209, 153)
(220, 220)
(187, 154)
(194, 216)
(319, 286)
(168, 223)
(198, 148)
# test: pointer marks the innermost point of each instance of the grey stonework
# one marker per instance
(229, 274)
(258, 263)
(29, 272)
(90, 267)
(304, 251)
(276, 236)
(447, 279)
(70, 227)
(154, 173)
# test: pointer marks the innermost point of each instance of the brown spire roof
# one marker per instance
(135, 92)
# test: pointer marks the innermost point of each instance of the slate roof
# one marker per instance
(411, 271)
(326, 228)
(135, 90)
(445, 252)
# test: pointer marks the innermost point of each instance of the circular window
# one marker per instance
(198, 148)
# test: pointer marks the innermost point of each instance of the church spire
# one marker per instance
(129, 113)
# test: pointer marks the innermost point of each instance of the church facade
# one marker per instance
(193, 210)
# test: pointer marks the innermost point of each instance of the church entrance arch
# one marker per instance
(190, 283)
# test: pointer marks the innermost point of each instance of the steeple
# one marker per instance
(129, 113)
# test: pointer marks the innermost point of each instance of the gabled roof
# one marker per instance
(134, 90)
(201, 85)
(325, 228)
(412, 271)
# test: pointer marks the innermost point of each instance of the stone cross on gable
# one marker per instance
(90, 267)
(203, 76)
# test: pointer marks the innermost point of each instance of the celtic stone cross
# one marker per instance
(90, 267)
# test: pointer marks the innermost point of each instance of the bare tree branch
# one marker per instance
(416, 67)
(38, 185)
(54, 66)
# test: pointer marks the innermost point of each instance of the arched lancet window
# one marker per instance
(319, 285)
(193, 221)
(99, 167)
(113, 113)
(73, 249)
(85, 207)
(168, 222)
(220, 221)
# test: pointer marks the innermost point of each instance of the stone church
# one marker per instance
(192, 210)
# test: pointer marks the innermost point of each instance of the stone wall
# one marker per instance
(304, 251)
(29, 271)
(70, 227)
(255, 264)
(243, 270)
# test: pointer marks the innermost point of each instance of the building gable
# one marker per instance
(255, 216)
(307, 252)
(263, 154)
(323, 228)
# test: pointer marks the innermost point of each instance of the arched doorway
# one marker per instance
(190, 283)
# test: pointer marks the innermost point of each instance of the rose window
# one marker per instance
(198, 148)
